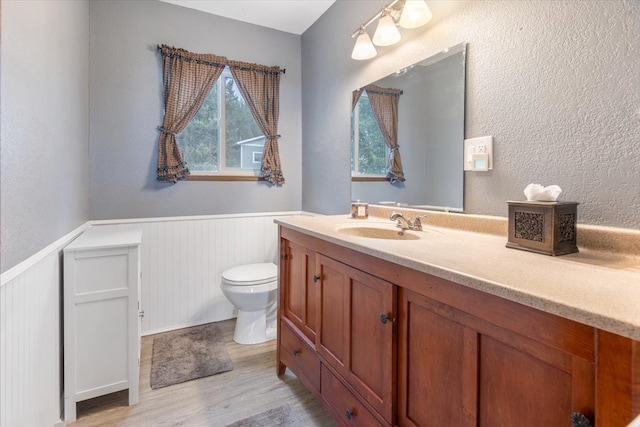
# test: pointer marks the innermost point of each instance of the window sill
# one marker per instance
(224, 178)
(368, 178)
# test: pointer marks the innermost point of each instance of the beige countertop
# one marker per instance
(595, 287)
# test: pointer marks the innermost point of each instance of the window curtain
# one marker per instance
(384, 103)
(188, 79)
(260, 86)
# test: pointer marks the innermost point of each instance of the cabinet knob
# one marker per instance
(349, 413)
(296, 352)
(316, 277)
(579, 420)
(141, 313)
(384, 318)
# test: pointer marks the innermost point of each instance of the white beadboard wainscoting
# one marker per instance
(31, 338)
(182, 260)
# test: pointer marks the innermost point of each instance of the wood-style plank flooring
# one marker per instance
(250, 388)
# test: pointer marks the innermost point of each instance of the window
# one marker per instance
(369, 152)
(257, 156)
(213, 141)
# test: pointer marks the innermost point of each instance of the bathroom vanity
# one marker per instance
(448, 327)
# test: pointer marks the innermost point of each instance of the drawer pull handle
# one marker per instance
(316, 277)
(296, 352)
(349, 413)
(384, 318)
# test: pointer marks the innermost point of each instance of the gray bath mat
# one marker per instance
(280, 416)
(187, 354)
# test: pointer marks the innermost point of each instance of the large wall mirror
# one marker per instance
(430, 136)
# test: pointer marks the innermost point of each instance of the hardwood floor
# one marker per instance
(250, 388)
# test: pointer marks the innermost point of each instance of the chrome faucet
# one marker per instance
(402, 222)
(405, 224)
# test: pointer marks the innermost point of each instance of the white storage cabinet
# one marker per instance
(101, 315)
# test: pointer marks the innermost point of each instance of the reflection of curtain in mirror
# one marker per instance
(384, 103)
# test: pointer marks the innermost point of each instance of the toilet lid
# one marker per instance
(251, 274)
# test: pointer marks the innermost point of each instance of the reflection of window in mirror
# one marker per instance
(369, 153)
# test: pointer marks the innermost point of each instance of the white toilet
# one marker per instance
(252, 289)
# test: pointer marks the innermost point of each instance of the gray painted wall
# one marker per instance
(44, 179)
(126, 108)
(556, 83)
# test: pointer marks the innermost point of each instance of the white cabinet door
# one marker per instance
(101, 321)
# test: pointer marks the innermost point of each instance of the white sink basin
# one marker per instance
(379, 232)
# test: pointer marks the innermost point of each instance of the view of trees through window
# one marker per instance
(369, 155)
(215, 132)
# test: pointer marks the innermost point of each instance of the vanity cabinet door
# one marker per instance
(458, 369)
(437, 362)
(356, 334)
(298, 287)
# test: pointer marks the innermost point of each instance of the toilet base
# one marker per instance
(254, 327)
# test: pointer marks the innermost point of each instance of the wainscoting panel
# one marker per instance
(30, 346)
(183, 260)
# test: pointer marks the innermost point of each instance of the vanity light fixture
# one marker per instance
(405, 13)
(415, 14)
(387, 33)
(363, 49)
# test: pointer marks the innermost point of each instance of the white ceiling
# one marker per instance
(291, 16)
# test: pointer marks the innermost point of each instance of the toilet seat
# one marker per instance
(251, 274)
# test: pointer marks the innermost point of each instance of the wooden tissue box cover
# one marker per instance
(543, 227)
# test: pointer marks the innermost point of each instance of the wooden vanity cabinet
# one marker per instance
(298, 298)
(449, 355)
(356, 336)
(347, 319)
(459, 369)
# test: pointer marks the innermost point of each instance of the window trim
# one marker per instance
(226, 173)
(362, 178)
(209, 177)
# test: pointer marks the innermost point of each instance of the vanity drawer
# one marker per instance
(350, 410)
(298, 356)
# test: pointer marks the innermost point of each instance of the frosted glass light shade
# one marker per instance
(415, 14)
(386, 32)
(363, 48)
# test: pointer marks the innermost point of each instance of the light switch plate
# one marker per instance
(479, 145)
